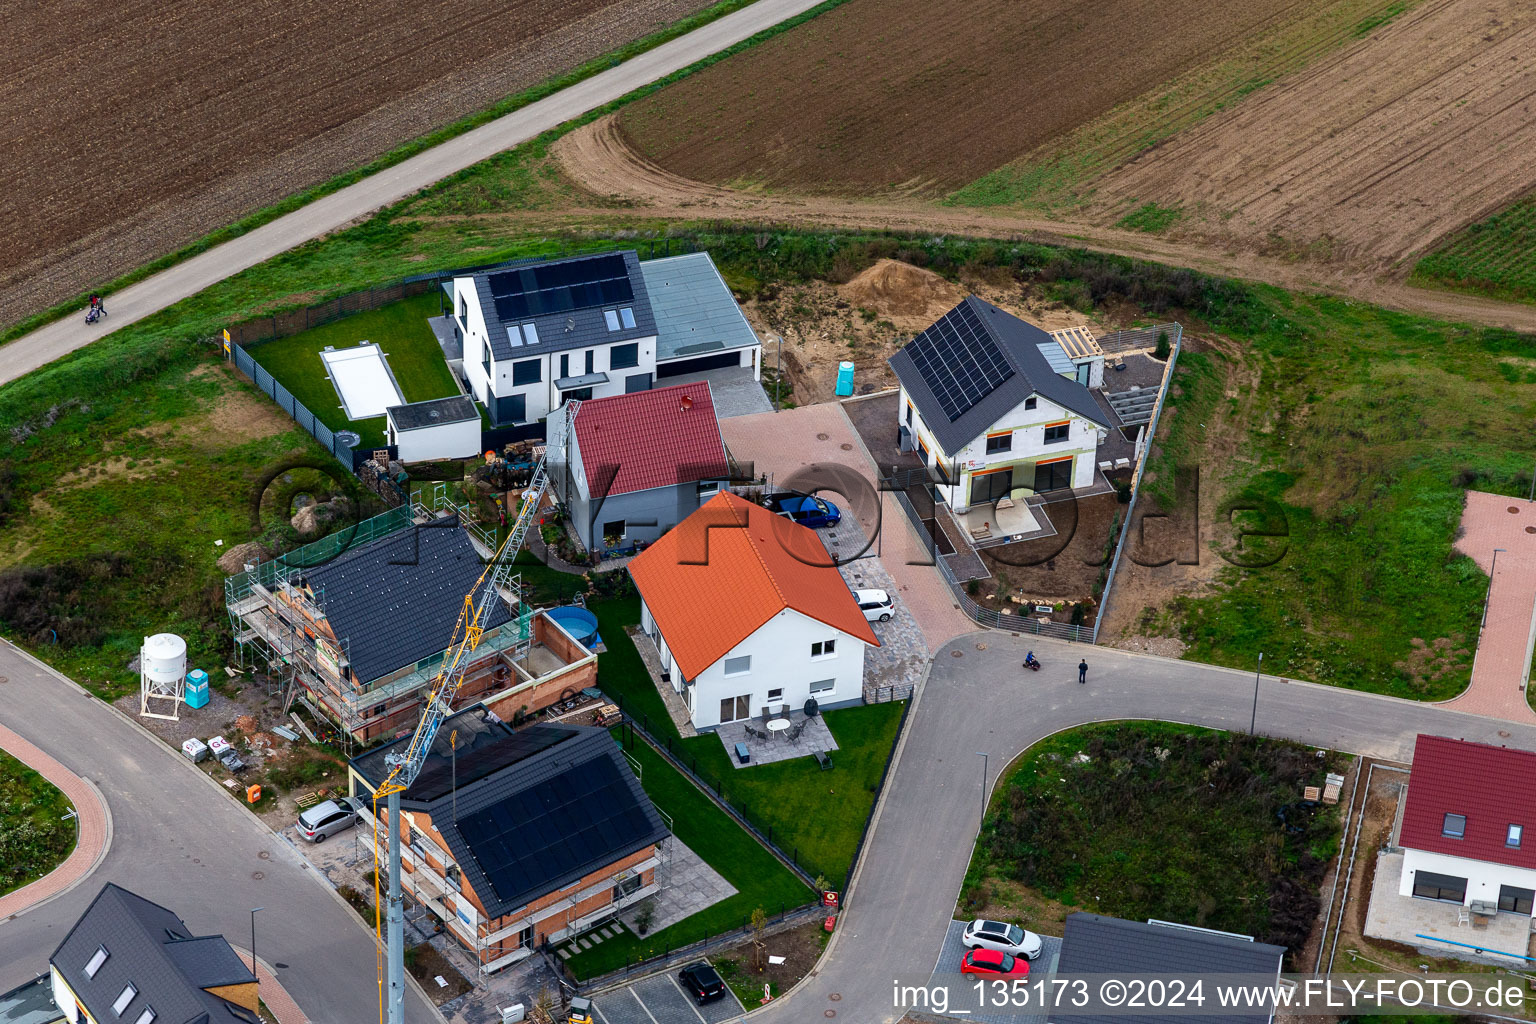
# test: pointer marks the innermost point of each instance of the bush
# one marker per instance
(47, 602)
(1163, 348)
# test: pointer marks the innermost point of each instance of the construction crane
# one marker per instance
(404, 767)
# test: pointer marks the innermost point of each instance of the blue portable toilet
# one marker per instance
(197, 688)
(845, 378)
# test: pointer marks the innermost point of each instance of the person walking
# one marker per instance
(1082, 671)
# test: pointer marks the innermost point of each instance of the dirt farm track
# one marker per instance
(134, 127)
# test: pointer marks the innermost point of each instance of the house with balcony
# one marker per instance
(999, 412)
(127, 959)
(749, 615)
(360, 635)
(517, 837)
(536, 334)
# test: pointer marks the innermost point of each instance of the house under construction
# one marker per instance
(358, 636)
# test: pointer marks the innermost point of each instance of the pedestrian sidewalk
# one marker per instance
(271, 991)
(92, 818)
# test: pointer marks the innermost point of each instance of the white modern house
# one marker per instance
(443, 428)
(536, 334)
(749, 615)
(1464, 829)
(1000, 411)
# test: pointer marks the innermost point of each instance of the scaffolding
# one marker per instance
(274, 610)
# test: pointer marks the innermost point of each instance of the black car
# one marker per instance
(700, 981)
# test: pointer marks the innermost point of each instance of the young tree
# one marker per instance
(759, 927)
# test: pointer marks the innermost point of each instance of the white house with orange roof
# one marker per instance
(750, 616)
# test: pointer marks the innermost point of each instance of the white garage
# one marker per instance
(444, 428)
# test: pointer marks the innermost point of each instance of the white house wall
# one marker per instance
(439, 441)
(471, 321)
(780, 650)
(1483, 878)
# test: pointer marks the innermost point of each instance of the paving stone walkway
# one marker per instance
(92, 818)
(1502, 665)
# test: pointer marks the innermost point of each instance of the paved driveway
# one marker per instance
(1495, 523)
(659, 999)
(179, 840)
(962, 994)
(976, 700)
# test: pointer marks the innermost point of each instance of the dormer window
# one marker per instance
(97, 959)
(124, 998)
(1455, 826)
(1512, 837)
(622, 318)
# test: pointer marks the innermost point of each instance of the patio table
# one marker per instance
(777, 725)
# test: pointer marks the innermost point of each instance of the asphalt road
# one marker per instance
(181, 842)
(904, 893)
(334, 211)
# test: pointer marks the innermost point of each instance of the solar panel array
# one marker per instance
(584, 815)
(959, 361)
(553, 288)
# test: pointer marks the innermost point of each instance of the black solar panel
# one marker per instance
(959, 361)
(555, 288)
(584, 815)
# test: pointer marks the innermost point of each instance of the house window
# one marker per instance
(775, 695)
(738, 666)
(527, 371)
(463, 310)
(97, 959)
(124, 998)
(1057, 432)
(485, 359)
(1512, 837)
(999, 443)
(511, 408)
(1429, 886)
(147, 1017)
(989, 487)
(622, 357)
(909, 414)
(525, 937)
(707, 488)
(531, 334)
(823, 686)
(565, 364)
(614, 529)
(627, 886)
(576, 395)
(734, 709)
(1030, 403)
(1054, 475)
(619, 319)
(455, 877)
(823, 648)
(591, 360)
(1455, 826)
(1515, 901)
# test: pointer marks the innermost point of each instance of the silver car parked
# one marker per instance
(1005, 938)
(327, 818)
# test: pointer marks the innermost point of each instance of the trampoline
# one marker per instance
(362, 380)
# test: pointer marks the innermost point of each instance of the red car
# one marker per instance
(991, 962)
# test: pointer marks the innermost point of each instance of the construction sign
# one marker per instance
(226, 341)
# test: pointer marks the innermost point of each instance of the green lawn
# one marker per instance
(34, 837)
(1155, 820)
(400, 329)
(759, 878)
(815, 816)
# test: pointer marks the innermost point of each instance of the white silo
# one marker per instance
(162, 673)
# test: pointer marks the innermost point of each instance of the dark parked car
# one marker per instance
(804, 509)
(700, 981)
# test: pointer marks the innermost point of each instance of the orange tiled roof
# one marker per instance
(721, 573)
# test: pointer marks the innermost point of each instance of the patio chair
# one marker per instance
(795, 731)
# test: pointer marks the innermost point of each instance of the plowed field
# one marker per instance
(912, 94)
(1370, 153)
(133, 127)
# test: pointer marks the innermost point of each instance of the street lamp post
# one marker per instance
(1253, 722)
(982, 754)
(1492, 568)
(254, 911)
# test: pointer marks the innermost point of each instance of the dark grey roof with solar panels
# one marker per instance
(974, 365)
(557, 305)
(525, 812)
(126, 950)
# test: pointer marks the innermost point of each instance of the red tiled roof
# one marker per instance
(711, 581)
(649, 439)
(1495, 787)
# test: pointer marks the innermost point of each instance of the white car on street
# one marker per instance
(1005, 938)
(875, 604)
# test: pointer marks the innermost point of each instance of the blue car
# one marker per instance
(804, 509)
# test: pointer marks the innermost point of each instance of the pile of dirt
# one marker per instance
(311, 520)
(896, 289)
(236, 558)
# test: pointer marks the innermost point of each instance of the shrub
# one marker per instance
(1163, 348)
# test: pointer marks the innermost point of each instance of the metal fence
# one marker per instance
(342, 448)
(887, 694)
(1141, 466)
